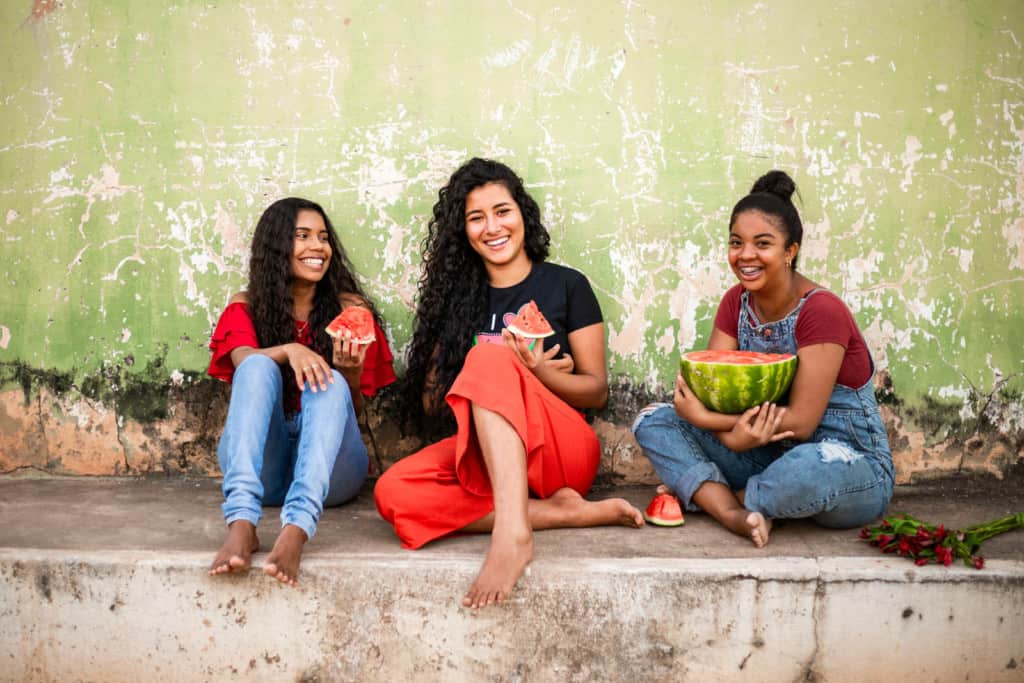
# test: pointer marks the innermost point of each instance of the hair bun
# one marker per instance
(777, 183)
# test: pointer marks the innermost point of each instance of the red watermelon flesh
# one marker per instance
(733, 381)
(355, 323)
(664, 510)
(530, 323)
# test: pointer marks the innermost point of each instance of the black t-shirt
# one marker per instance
(563, 295)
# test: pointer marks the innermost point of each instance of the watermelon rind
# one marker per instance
(734, 387)
(663, 522)
(529, 335)
(364, 340)
(657, 505)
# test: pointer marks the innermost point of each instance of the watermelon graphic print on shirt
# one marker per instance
(563, 296)
(495, 337)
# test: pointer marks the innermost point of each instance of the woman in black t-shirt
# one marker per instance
(516, 404)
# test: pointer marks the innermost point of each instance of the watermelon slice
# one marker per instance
(529, 323)
(665, 510)
(355, 323)
(733, 381)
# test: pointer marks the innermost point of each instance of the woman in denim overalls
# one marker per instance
(825, 455)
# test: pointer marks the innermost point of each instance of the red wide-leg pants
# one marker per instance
(445, 486)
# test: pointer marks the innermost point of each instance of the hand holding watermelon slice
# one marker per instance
(530, 323)
(354, 324)
(522, 334)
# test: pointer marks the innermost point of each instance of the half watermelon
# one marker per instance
(529, 323)
(665, 510)
(733, 381)
(355, 323)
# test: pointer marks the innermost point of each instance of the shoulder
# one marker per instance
(239, 298)
(557, 271)
(732, 296)
(728, 313)
(825, 317)
(826, 302)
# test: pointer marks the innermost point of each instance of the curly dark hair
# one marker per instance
(270, 276)
(453, 288)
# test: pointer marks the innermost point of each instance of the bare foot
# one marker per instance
(752, 525)
(759, 528)
(283, 561)
(235, 556)
(506, 561)
(576, 511)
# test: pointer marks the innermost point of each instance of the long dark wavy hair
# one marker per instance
(453, 288)
(270, 277)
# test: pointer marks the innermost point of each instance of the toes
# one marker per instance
(272, 571)
(475, 598)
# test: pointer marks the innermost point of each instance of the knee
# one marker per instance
(654, 417)
(257, 366)
(339, 394)
(386, 494)
(342, 391)
(256, 376)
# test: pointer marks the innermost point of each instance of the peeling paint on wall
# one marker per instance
(129, 192)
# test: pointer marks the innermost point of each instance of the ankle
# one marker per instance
(518, 534)
(242, 526)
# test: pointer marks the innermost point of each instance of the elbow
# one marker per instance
(802, 433)
(599, 399)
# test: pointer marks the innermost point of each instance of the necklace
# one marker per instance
(301, 327)
(790, 305)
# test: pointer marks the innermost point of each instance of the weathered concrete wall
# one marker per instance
(138, 148)
(89, 616)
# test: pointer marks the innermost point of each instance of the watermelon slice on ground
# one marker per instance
(530, 323)
(665, 510)
(355, 323)
(733, 381)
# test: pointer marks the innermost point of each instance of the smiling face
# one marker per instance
(758, 253)
(311, 249)
(495, 230)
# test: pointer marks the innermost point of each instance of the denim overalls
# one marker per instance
(841, 477)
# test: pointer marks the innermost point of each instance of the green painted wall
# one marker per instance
(140, 141)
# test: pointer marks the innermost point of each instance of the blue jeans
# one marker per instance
(834, 483)
(268, 459)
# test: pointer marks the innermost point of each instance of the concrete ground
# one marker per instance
(179, 515)
(104, 579)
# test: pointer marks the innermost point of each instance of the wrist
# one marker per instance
(698, 415)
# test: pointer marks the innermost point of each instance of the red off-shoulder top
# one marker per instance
(235, 328)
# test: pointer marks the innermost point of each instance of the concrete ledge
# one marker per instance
(133, 602)
(133, 616)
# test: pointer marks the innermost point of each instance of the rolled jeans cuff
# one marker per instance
(693, 478)
(246, 515)
(303, 520)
